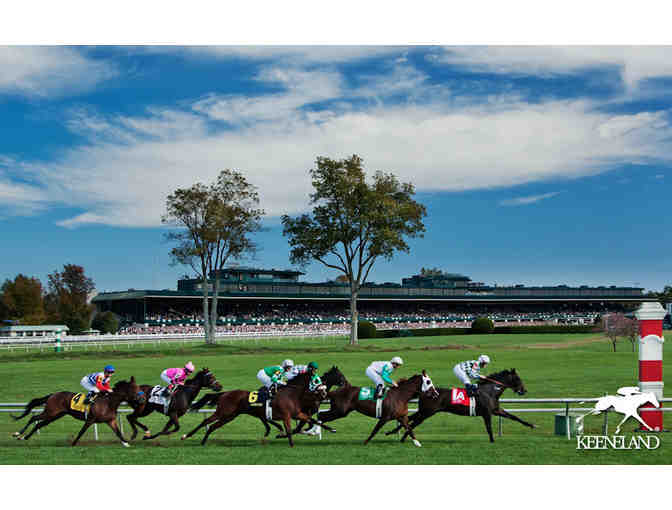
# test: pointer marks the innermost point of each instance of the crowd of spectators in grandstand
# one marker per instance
(243, 318)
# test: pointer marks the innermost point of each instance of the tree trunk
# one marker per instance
(354, 318)
(213, 310)
(206, 316)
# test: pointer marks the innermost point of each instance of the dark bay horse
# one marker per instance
(102, 410)
(394, 407)
(286, 405)
(333, 377)
(487, 402)
(180, 402)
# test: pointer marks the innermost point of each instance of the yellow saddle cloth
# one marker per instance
(77, 403)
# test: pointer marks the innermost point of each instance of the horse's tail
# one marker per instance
(210, 398)
(33, 403)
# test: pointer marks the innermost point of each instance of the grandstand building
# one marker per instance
(246, 287)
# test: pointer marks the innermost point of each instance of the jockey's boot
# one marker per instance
(272, 390)
(89, 398)
(472, 389)
(167, 392)
(379, 391)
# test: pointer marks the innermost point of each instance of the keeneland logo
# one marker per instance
(630, 399)
(617, 442)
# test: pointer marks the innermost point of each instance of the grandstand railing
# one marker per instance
(19, 407)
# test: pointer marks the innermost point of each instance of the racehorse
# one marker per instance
(490, 389)
(394, 406)
(333, 377)
(286, 405)
(180, 402)
(632, 398)
(102, 410)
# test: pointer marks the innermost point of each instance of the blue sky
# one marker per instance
(538, 165)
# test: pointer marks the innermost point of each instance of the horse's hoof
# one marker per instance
(184, 436)
(148, 433)
(533, 426)
(126, 444)
(417, 443)
(16, 434)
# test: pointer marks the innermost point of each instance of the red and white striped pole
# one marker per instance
(650, 316)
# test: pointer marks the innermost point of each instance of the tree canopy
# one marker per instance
(353, 222)
(213, 225)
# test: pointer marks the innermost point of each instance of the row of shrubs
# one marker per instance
(480, 326)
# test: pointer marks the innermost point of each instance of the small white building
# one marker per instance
(28, 331)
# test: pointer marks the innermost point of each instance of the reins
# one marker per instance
(498, 383)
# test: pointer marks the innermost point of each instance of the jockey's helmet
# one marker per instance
(109, 369)
(312, 365)
(484, 359)
(397, 360)
(189, 367)
(288, 363)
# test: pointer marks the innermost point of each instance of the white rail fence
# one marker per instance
(94, 341)
(567, 409)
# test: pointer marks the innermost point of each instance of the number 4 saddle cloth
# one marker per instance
(77, 403)
(459, 397)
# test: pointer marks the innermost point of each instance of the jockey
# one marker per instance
(379, 372)
(97, 382)
(176, 377)
(471, 369)
(315, 381)
(271, 376)
(302, 369)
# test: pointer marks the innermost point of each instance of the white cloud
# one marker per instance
(124, 180)
(300, 88)
(635, 63)
(532, 199)
(43, 71)
(288, 55)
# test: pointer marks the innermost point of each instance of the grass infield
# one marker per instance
(551, 365)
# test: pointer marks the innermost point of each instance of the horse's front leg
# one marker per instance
(487, 419)
(504, 414)
(172, 421)
(113, 425)
(135, 423)
(403, 420)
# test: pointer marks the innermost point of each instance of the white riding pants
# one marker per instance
(265, 379)
(87, 384)
(164, 376)
(374, 376)
(459, 373)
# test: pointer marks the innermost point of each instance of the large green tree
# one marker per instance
(68, 299)
(213, 225)
(353, 222)
(22, 299)
(105, 322)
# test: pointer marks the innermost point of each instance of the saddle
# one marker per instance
(369, 392)
(460, 397)
(156, 397)
(77, 402)
(259, 397)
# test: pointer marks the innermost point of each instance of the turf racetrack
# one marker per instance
(550, 366)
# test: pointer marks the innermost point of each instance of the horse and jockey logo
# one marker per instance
(630, 399)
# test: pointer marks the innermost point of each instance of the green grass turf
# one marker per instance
(551, 365)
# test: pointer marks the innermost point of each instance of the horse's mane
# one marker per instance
(118, 385)
(198, 374)
(499, 375)
(404, 380)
